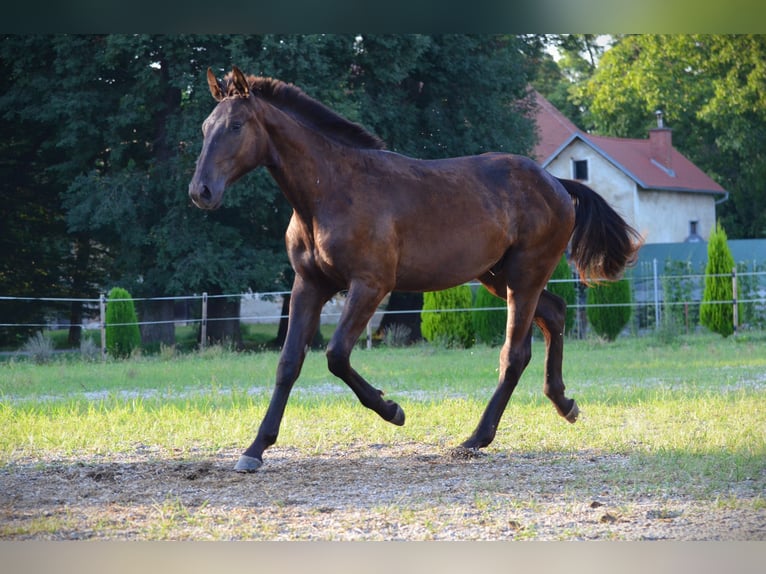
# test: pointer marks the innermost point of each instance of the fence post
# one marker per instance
(369, 334)
(203, 327)
(735, 311)
(102, 324)
(656, 295)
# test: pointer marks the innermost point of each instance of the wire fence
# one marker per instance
(659, 294)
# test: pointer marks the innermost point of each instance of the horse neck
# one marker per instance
(299, 160)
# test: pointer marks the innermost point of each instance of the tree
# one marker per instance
(122, 333)
(560, 80)
(563, 286)
(445, 319)
(609, 308)
(716, 313)
(489, 325)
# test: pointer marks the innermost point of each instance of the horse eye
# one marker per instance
(236, 126)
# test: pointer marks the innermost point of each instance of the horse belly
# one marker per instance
(448, 259)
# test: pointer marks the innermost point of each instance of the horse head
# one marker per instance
(234, 140)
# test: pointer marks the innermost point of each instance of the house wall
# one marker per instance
(661, 216)
(613, 185)
(665, 215)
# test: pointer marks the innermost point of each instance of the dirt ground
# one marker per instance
(366, 492)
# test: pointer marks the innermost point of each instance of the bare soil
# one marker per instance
(366, 492)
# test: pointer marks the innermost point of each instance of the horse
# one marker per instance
(369, 221)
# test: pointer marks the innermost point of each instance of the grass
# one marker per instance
(665, 423)
(697, 404)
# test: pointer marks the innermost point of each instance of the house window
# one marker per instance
(694, 236)
(580, 169)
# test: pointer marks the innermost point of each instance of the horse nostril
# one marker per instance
(205, 195)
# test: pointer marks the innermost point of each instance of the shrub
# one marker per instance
(397, 335)
(565, 289)
(39, 348)
(716, 312)
(448, 327)
(122, 332)
(609, 308)
(489, 326)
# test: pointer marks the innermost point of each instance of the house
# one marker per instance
(658, 191)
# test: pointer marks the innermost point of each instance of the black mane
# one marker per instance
(292, 100)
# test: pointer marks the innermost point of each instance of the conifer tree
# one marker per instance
(489, 326)
(716, 312)
(609, 308)
(444, 319)
(565, 289)
(122, 332)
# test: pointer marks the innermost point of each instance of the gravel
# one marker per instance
(400, 491)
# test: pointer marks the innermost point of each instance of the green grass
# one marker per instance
(693, 408)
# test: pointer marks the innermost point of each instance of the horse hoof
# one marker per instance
(247, 464)
(398, 419)
(466, 453)
(573, 413)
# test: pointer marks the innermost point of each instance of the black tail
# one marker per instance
(603, 243)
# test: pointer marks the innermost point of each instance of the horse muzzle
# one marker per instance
(204, 197)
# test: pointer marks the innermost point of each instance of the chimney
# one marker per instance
(661, 143)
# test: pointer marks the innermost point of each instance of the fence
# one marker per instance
(660, 294)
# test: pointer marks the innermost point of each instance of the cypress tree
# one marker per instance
(442, 323)
(565, 289)
(716, 312)
(489, 326)
(122, 332)
(608, 308)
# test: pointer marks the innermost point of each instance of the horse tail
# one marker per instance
(603, 243)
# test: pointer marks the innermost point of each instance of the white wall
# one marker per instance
(661, 216)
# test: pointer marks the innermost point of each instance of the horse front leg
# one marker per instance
(361, 303)
(550, 316)
(306, 302)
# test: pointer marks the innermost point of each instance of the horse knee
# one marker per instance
(515, 360)
(337, 362)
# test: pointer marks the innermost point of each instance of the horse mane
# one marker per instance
(311, 113)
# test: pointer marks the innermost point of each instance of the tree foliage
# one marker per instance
(563, 286)
(716, 313)
(489, 325)
(122, 333)
(609, 308)
(445, 319)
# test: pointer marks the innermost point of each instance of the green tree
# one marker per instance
(122, 333)
(489, 325)
(563, 286)
(609, 308)
(444, 95)
(716, 312)
(560, 80)
(445, 318)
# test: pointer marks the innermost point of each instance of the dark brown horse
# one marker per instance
(371, 221)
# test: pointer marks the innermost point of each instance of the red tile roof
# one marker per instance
(632, 156)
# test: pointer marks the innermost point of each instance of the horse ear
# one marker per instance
(215, 87)
(240, 82)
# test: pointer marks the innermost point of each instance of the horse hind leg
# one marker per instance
(522, 291)
(550, 315)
